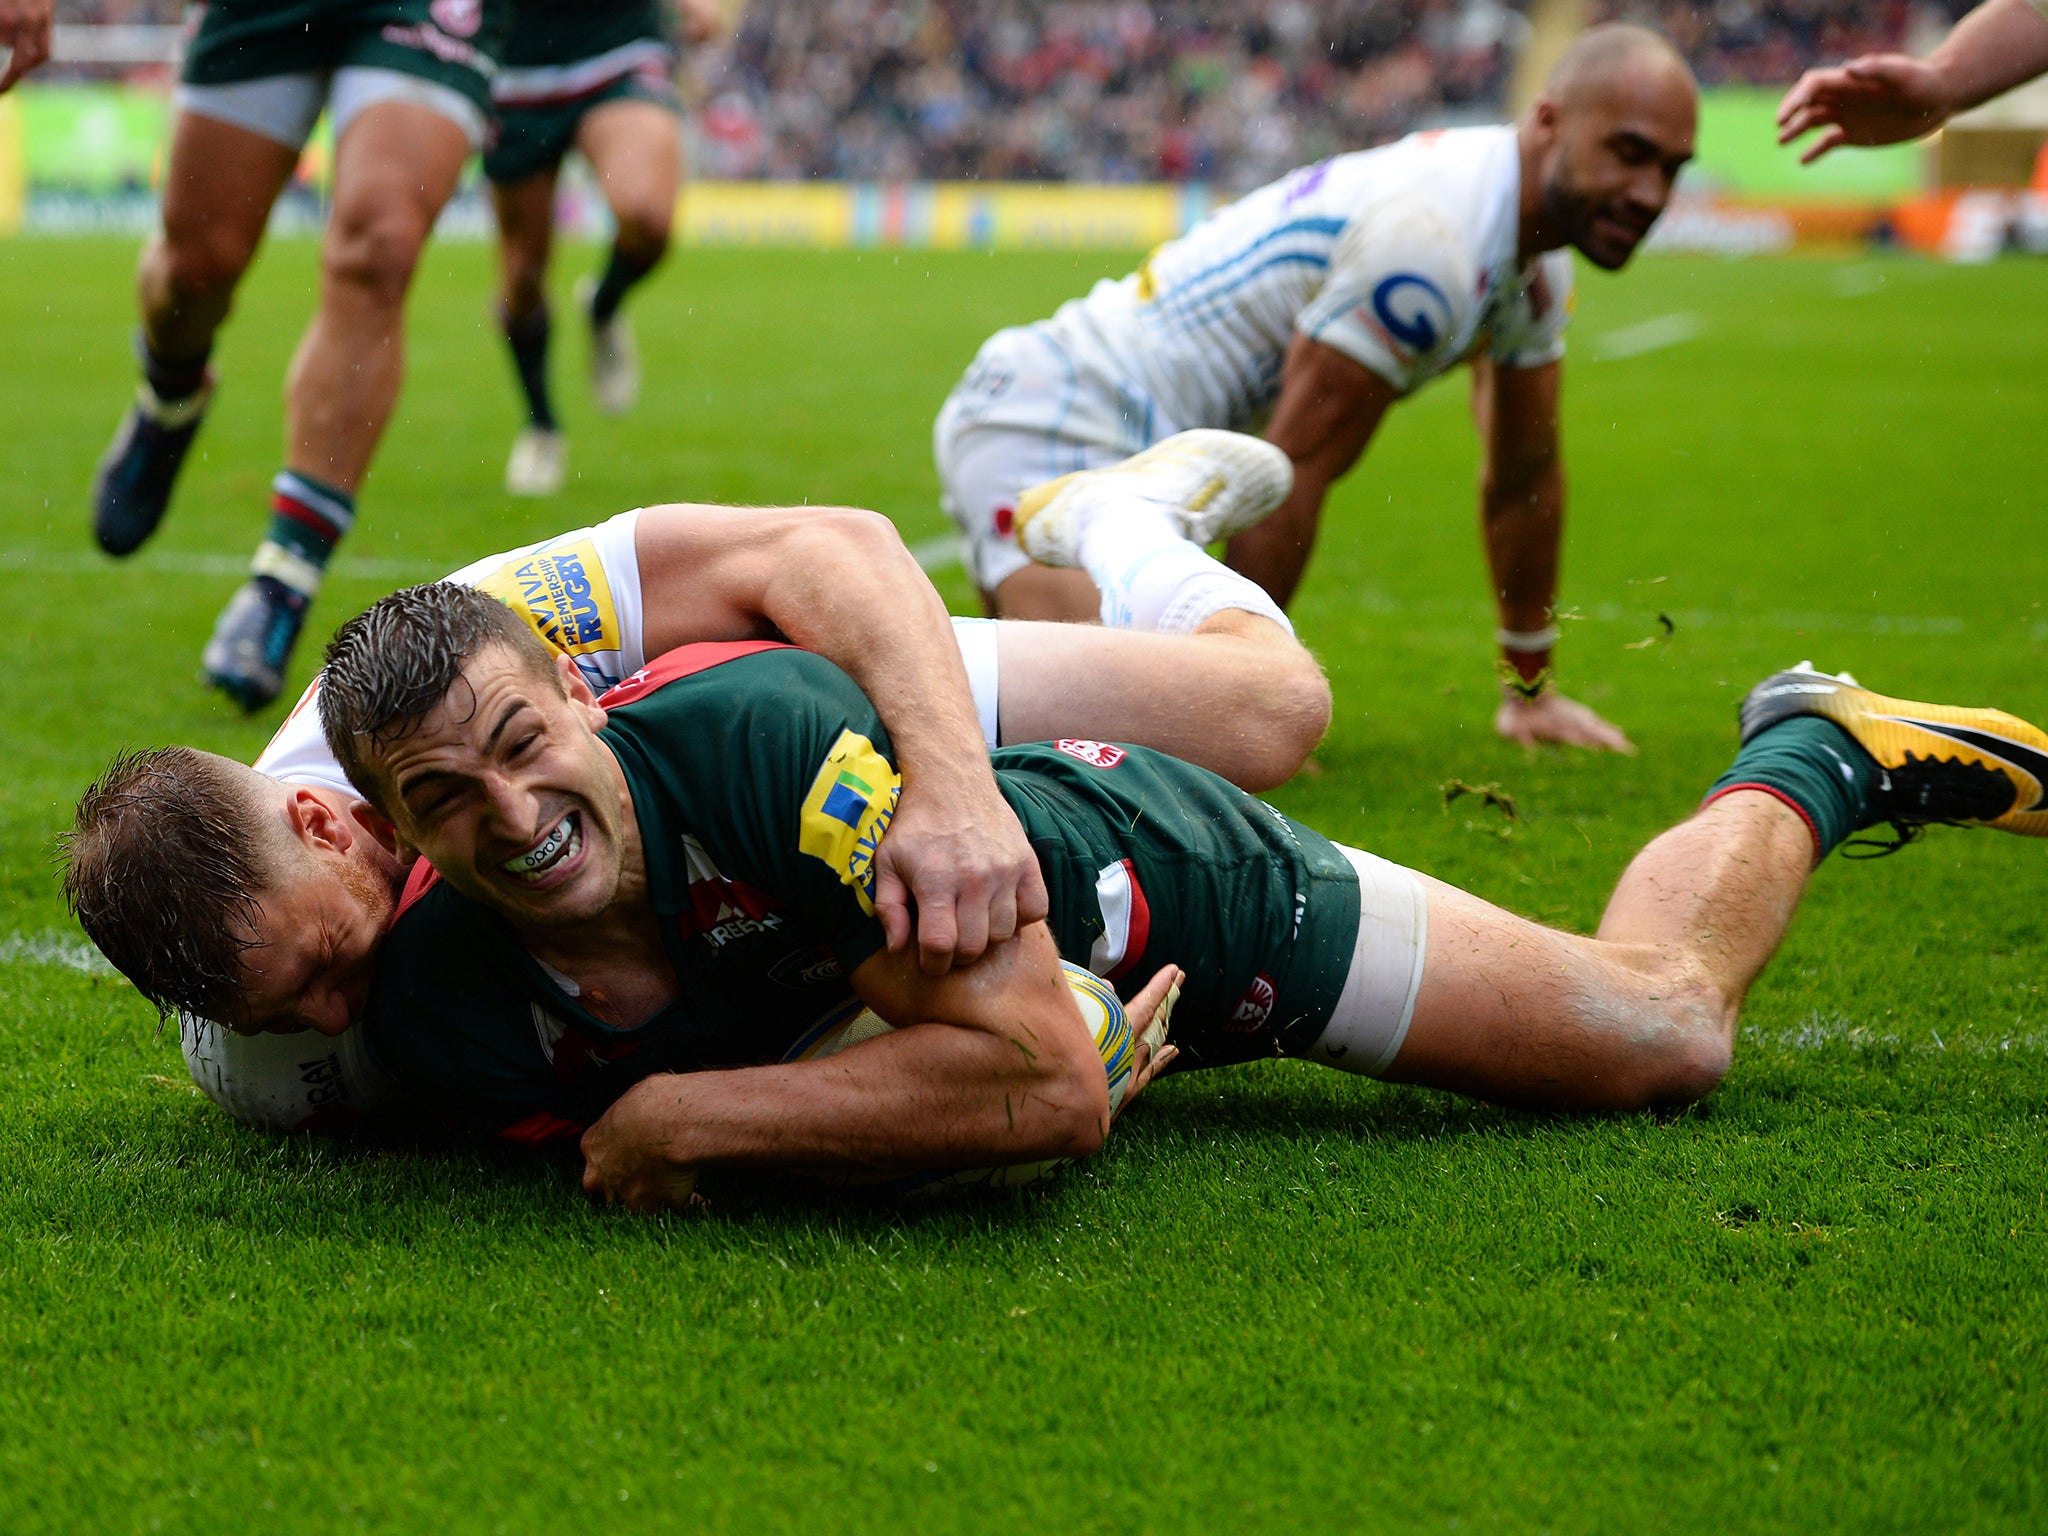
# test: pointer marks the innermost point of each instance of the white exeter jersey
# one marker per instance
(1402, 258)
(580, 592)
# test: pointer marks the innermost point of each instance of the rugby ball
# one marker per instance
(1100, 1006)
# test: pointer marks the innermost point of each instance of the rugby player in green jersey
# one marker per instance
(648, 901)
(406, 86)
(596, 76)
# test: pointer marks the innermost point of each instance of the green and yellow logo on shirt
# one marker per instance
(852, 800)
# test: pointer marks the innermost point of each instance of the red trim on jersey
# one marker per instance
(682, 662)
(1812, 831)
(1139, 933)
(424, 878)
(540, 1128)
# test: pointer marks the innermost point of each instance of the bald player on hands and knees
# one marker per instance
(1316, 303)
(637, 909)
(1239, 695)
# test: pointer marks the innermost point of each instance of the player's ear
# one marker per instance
(580, 697)
(377, 825)
(316, 824)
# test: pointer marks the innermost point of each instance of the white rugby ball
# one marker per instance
(1100, 1006)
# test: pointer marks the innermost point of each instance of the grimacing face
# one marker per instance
(506, 788)
(316, 939)
(1617, 155)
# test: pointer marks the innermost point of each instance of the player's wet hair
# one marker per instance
(163, 866)
(391, 665)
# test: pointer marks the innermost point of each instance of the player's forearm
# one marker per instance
(2001, 44)
(1523, 523)
(848, 589)
(925, 1098)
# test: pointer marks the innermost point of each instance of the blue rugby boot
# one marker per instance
(253, 639)
(132, 490)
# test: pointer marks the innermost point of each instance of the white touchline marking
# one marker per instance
(940, 554)
(184, 563)
(52, 947)
(1648, 336)
(1817, 1031)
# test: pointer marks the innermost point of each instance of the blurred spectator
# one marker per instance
(1748, 42)
(1088, 90)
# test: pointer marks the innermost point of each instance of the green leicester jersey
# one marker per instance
(763, 784)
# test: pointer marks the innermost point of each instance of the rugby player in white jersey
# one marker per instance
(1317, 302)
(1240, 697)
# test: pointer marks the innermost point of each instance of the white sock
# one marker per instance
(1153, 579)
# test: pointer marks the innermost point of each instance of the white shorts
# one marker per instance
(283, 108)
(1024, 414)
(1370, 1021)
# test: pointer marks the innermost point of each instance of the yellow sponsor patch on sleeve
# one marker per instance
(561, 591)
(851, 803)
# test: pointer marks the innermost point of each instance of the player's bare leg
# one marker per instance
(218, 191)
(635, 150)
(1041, 593)
(395, 165)
(395, 168)
(526, 235)
(1643, 1013)
(1240, 696)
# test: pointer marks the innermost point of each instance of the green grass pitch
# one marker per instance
(1280, 1299)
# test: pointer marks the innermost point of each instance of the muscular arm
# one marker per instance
(1010, 1075)
(24, 37)
(1328, 410)
(1521, 516)
(1887, 98)
(840, 582)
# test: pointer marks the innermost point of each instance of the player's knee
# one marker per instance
(1684, 1050)
(374, 252)
(1291, 713)
(198, 262)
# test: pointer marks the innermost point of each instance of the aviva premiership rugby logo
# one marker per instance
(561, 592)
(851, 803)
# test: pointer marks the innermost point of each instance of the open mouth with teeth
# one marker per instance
(550, 858)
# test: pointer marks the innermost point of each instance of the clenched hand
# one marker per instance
(958, 851)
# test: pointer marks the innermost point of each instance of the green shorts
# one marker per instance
(453, 43)
(532, 132)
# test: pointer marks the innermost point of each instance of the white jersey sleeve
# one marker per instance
(1399, 295)
(1531, 333)
(580, 592)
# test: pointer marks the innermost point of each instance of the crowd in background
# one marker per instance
(1231, 91)
(1223, 91)
(1750, 42)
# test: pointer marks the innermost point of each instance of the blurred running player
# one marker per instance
(406, 84)
(637, 910)
(1317, 302)
(596, 76)
(1239, 695)
(1887, 98)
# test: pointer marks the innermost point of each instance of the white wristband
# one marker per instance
(1523, 641)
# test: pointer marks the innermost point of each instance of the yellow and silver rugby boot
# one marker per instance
(1211, 484)
(1938, 763)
